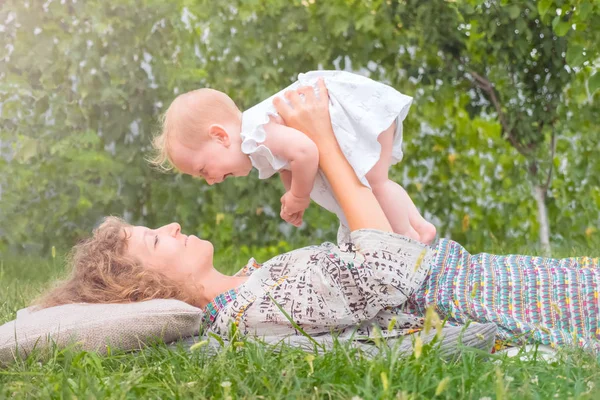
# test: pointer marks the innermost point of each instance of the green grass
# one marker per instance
(251, 370)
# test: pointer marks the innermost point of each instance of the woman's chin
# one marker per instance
(204, 247)
(208, 245)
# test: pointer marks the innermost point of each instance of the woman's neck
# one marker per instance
(215, 283)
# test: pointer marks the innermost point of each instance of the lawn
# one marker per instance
(249, 370)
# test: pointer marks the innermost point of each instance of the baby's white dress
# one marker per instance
(360, 110)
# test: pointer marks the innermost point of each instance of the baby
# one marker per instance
(206, 135)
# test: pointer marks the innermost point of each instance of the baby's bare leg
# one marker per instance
(424, 228)
(397, 205)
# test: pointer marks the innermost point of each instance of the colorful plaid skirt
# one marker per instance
(531, 299)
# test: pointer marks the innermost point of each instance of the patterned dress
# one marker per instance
(530, 299)
(327, 288)
(384, 277)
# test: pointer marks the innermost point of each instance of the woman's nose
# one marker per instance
(175, 228)
(172, 229)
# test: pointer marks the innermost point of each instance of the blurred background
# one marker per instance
(501, 143)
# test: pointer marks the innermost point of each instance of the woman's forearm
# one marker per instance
(361, 208)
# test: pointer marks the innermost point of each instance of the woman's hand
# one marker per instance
(310, 116)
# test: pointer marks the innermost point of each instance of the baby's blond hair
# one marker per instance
(191, 114)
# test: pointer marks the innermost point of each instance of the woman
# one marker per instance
(380, 279)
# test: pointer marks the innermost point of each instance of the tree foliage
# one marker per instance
(506, 95)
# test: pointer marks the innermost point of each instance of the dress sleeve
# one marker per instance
(253, 137)
(380, 270)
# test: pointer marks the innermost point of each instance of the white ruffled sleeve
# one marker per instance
(253, 138)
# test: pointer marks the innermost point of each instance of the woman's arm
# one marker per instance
(311, 116)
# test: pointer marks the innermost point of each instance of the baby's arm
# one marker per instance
(299, 151)
(286, 179)
(302, 155)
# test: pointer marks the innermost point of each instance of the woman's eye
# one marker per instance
(155, 241)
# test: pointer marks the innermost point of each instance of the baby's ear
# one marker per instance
(218, 133)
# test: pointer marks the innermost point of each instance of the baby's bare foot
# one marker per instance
(427, 233)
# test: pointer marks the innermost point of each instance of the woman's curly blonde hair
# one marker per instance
(102, 272)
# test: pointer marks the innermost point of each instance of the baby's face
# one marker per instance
(210, 160)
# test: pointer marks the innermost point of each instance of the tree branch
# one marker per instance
(552, 153)
(484, 84)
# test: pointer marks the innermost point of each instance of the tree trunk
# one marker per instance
(539, 192)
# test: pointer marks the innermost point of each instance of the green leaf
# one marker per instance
(217, 338)
(27, 150)
(594, 82)
(366, 23)
(575, 55)
(584, 9)
(562, 28)
(492, 28)
(543, 6)
(340, 26)
(514, 11)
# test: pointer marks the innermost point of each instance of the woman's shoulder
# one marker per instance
(307, 251)
(289, 263)
(296, 261)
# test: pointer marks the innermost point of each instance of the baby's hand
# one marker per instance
(291, 204)
(294, 219)
(292, 208)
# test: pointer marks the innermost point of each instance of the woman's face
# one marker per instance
(166, 249)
